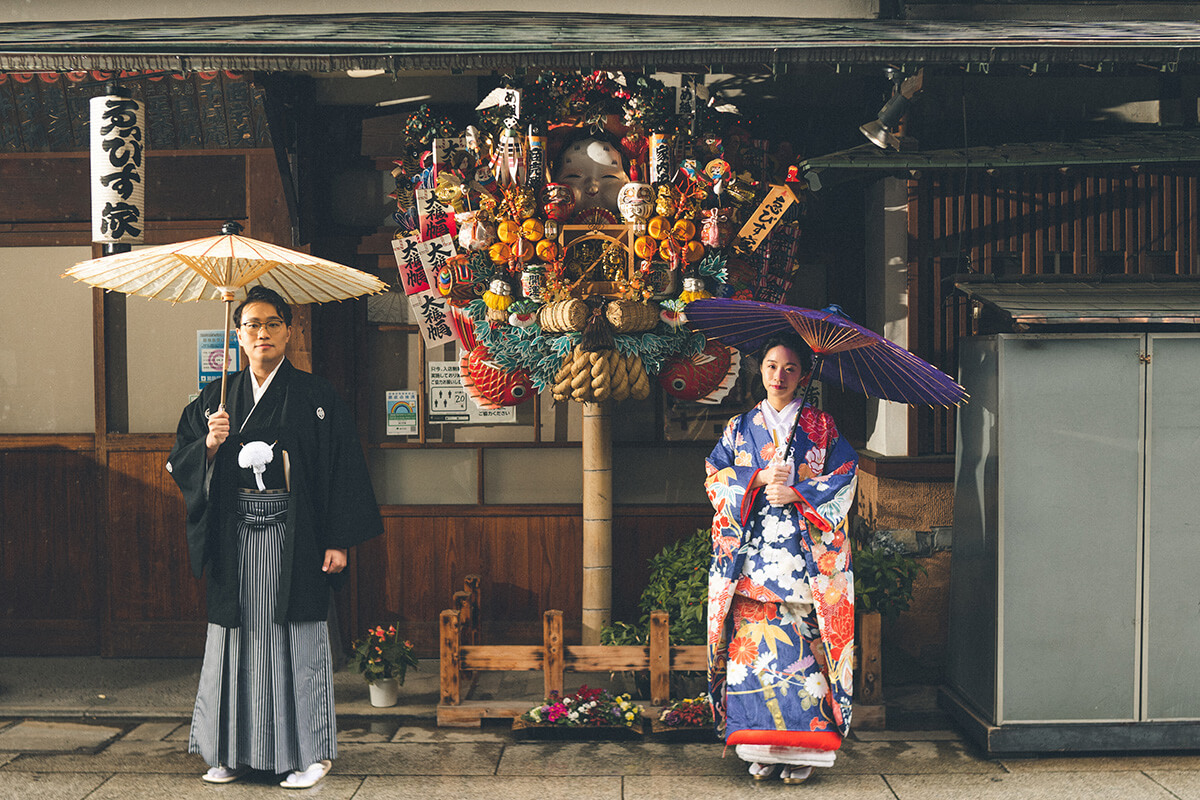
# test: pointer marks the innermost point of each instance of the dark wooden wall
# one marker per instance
(529, 560)
(82, 575)
(50, 512)
(92, 556)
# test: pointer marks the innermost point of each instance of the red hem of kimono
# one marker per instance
(748, 500)
(812, 516)
(813, 740)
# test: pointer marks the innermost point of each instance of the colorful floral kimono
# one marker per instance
(781, 590)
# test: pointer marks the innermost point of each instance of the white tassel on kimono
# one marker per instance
(256, 455)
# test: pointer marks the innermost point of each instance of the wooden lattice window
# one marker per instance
(1105, 221)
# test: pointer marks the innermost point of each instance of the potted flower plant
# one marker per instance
(383, 659)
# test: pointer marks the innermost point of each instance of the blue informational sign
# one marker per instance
(209, 354)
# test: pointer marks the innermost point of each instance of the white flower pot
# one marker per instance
(384, 692)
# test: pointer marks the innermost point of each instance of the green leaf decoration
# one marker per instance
(714, 266)
(564, 344)
(482, 269)
(541, 354)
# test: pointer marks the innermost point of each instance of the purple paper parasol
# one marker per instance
(847, 354)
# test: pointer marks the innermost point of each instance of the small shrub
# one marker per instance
(883, 577)
(678, 585)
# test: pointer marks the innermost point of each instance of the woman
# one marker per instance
(781, 593)
(276, 490)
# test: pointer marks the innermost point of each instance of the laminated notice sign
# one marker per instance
(209, 355)
(401, 412)
(765, 217)
(449, 401)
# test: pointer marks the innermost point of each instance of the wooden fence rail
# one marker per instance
(461, 658)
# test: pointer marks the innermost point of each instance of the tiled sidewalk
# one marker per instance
(101, 729)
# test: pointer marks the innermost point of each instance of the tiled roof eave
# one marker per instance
(490, 40)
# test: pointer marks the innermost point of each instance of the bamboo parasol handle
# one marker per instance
(816, 369)
(225, 345)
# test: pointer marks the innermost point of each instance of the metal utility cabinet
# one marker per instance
(1075, 578)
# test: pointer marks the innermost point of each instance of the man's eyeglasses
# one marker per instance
(273, 326)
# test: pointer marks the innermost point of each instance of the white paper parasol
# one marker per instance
(219, 268)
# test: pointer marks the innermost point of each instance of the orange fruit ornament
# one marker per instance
(547, 250)
(500, 253)
(532, 229)
(658, 228)
(693, 251)
(508, 231)
(645, 247)
(684, 230)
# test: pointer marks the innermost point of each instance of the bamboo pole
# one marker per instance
(597, 519)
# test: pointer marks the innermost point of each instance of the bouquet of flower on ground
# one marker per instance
(689, 712)
(586, 707)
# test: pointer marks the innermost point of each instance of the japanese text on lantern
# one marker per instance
(118, 170)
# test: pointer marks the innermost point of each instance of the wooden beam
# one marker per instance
(660, 658)
(597, 519)
(469, 715)
(450, 660)
(868, 684)
(552, 654)
(501, 657)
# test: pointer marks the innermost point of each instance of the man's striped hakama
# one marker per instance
(266, 690)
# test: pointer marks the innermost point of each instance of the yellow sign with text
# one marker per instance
(765, 217)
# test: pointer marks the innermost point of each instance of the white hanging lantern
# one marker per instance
(118, 138)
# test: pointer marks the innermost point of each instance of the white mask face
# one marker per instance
(592, 168)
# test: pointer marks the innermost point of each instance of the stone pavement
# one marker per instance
(116, 729)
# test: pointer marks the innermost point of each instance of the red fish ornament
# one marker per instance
(490, 386)
(705, 377)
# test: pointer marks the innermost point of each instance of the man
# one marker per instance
(276, 490)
